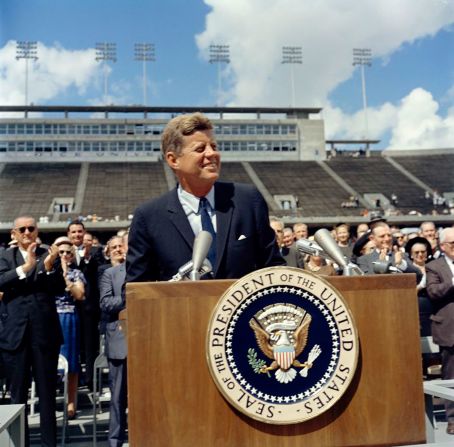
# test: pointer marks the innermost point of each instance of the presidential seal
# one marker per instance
(282, 346)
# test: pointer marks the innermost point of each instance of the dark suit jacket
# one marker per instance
(292, 257)
(441, 293)
(161, 238)
(112, 302)
(28, 301)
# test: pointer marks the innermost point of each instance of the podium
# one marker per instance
(173, 400)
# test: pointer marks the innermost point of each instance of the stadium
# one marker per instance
(99, 163)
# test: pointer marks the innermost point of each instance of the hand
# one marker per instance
(398, 256)
(87, 252)
(31, 258)
(64, 267)
(51, 257)
(382, 255)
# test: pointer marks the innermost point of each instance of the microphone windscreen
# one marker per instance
(202, 244)
(381, 267)
(325, 240)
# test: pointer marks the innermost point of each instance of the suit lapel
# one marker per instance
(18, 258)
(224, 210)
(178, 217)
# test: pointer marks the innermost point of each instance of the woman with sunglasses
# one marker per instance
(420, 251)
(69, 319)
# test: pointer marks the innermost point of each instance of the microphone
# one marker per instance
(199, 265)
(202, 244)
(311, 248)
(381, 267)
(185, 270)
(328, 244)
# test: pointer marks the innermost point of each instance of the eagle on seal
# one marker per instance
(281, 331)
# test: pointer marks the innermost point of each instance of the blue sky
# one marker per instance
(410, 86)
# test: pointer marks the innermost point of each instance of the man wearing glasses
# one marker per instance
(30, 333)
(440, 287)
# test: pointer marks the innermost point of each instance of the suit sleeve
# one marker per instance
(363, 264)
(109, 302)
(267, 251)
(437, 287)
(139, 259)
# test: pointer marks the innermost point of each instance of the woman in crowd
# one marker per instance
(69, 320)
(316, 264)
(419, 250)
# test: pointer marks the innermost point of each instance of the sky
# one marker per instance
(409, 85)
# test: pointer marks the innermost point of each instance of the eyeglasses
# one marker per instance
(30, 229)
(65, 252)
(421, 252)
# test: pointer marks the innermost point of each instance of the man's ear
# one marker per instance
(172, 159)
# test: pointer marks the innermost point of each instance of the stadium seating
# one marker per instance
(318, 194)
(116, 189)
(376, 175)
(29, 188)
(434, 170)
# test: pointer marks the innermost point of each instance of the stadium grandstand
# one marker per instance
(58, 163)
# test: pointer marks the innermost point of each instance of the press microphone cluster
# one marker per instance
(326, 247)
(199, 265)
(382, 267)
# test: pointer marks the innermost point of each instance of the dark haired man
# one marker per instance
(163, 230)
(88, 261)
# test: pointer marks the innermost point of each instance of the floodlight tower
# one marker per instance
(292, 55)
(362, 57)
(144, 52)
(219, 54)
(106, 51)
(26, 50)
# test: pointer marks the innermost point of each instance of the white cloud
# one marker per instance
(327, 31)
(56, 70)
(418, 126)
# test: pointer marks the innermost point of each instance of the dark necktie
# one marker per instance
(207, 225)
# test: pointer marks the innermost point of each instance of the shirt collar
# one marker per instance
(192, 202)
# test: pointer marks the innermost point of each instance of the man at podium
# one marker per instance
(163, 230)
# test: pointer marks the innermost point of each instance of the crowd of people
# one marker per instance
(58, 300)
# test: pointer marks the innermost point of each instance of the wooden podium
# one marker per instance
(173, 400)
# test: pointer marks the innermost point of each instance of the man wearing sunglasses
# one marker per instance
(30, 333)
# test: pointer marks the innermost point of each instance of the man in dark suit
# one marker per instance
(286, 248)
(30, 333)
(112, 302)
(88, 259)
(384, 252)
(163, 230)
(440, 288)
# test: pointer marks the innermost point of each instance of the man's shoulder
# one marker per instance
(436, 263)
(236, 191)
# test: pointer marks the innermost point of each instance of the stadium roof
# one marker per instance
(290, 111)
(364, 141)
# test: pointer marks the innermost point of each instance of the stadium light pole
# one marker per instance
(106, 51)
(362, 57)
(26, 50)
(219, 54)
(144, 52)
(292, 55)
